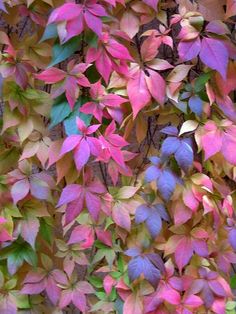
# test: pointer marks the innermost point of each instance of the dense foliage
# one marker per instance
(117, 156)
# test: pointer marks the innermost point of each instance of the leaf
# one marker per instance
(156, 86)
(19, 190)
(215, 55)
(141, 265)
(170, 146)
(133, 305)
(183, 252)
(62, 52)
(121, 216)
(70, 121)
(126, 192)
(178, 73)
(60, 111)
(30, 229)
(138, 92)
(49, 32)
(129, 23)
(196, 105)
(188, 126)
(189, 49)
(184, 156)
(201, 81)
(166, 184)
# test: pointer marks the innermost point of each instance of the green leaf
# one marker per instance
(96, 281)
(70, 121)
(22, 300)
(10, 284)
(46, 230)
(60, 110)
(63, 52)
(201, 81)
(91, 39)
(233, 282)
(101, 295)
(49, 32)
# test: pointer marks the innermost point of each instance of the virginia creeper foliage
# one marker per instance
(117, 156)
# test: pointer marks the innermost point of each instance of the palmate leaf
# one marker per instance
(149, 265)
(18, 253)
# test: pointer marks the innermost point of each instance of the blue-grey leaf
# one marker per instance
(142, 213)
(154, 223)
(166, 184)
(170, 146)
(152, 173)
(170, 130)
(162, 211)
(184, 156)
(196, 105)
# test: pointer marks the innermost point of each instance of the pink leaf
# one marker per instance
(69, 144)
(138, 91)
(228, 148)
(65, 298)
(52, 290)
(183, 253)
(108, 283)
(121, 216)
(81, 154)
(104, 236)
(29, 230)
(93, 204)
(156, 86)
(211, 140)
(193, 301)
(51, 76)
(79, 300)
(117, 50)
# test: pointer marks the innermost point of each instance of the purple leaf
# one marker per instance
(217, 288)
(157, 261)
(189, 49)
(200, 247)
(70, 193)
(232, 238)
(215, 55)
(166, 184)
(141, 265)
